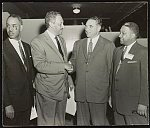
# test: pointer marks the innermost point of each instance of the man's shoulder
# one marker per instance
(142, 51)
(6, 40)
(81, 41)
(25, 44)
(104, 39)
(39, 37)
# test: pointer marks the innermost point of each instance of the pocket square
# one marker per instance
(30, 56)
(130, 62)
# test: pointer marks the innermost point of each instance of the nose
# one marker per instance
(62, 26)
(10, 28)
(86, 29)
(120, 35)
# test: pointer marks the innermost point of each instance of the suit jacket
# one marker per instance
(17, 83)
(92, 78)
(129, 84)
(51, 79)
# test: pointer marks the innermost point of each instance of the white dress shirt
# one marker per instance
(15, 44)
(128, 49)
(94, 41)
(52, 36)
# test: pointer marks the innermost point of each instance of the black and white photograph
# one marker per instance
(75, 64)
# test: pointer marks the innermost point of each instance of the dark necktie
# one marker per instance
(23, 56)
(90, 46)
(123, 52)
(59, 47)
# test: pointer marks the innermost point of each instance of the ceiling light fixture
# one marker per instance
(76, 8)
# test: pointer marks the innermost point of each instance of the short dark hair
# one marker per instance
(133, 27)
(97, 19)
(15, 16)
(50, 16)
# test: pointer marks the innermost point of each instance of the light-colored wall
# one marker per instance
(33, 27)
(72, 33)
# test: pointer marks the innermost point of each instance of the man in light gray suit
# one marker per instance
(91, 59)
(52, 80)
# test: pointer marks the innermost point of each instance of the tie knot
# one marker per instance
(125, 49)
(56, 37)
(19, 42)
(90, 40)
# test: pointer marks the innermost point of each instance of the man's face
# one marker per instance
(14, 28)
(126, 35)
(58, 25)
(92, 28)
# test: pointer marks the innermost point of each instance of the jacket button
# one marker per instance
(117, 90)
(116, 79)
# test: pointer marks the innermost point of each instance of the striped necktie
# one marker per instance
(123, 52)
(59, 47)
(23, 55)
(90, 46)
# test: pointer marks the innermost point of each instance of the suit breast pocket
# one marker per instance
(133, 67)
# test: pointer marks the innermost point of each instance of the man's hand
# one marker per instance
(9, 111)
(142, 110)
(69, 67)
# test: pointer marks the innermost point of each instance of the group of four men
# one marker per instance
(103, 73)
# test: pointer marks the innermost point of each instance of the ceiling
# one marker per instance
(111, 12)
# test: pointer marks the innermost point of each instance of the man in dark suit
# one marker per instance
(52, 80)
(91, 59)
(129, 79)
(18, 75)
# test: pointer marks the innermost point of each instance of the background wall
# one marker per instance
(72, 33)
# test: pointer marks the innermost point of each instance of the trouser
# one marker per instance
(134, 119)
(91, 113)
(50, 112)
(20, 119)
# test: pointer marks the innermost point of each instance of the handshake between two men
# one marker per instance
(69, 67)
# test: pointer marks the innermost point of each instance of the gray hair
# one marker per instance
(51, 16)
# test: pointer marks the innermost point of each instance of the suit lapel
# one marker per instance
(84, 47)
(118, 57)
(63, 47)
(14, 53)
(98, 47)
(49, 41)
(27, 54)
(134, 48)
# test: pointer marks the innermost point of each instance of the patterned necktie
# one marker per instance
(90, 49)
(123, 52)
(23, 55)
(59, 47)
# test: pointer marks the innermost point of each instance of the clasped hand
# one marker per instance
(9, 111)
(142, 110)
(69, 67)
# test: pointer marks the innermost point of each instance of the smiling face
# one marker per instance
(127, 36)
(92, 28)
(14, 28)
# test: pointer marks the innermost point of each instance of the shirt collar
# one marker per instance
(51, 34)
(14, 42)
(94, 40)
(129, 46)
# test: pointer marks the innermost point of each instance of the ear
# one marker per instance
(99, 28)
(21, 27)
(51, 24)
(133, 35)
